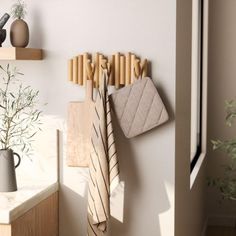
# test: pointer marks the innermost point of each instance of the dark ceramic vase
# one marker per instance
(19, 33)
(3, 34)
(7, 170)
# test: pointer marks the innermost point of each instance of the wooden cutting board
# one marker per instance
(79, 124)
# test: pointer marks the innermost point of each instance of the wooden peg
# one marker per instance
(85, 58)
(137, 69)
(100, 67)
(80, 70)
(127, 68)
(117, 70)
(70, 70)
(90, 69)
(96, 75)
(144, 68)
(109, 68)
(122, 70)
(104, 63)
(133, 57)
(75, 70)
(106, 66)
(112, 71)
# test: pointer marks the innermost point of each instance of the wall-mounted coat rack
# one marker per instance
(123, 68)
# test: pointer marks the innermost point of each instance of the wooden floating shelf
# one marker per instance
(21, 54)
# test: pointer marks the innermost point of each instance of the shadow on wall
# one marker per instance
(135, 194)
(67, 210)
(133, 190)
(162, 94)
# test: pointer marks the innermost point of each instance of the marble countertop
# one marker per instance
(37, 176)
(29, 194)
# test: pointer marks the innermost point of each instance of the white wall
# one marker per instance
(147, 27)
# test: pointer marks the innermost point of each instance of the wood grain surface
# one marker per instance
(5, 230)
(47, 217)
(41, 220)
(122, 68)
(80, 115)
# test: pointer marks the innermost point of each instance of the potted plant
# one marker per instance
(227, 183)
(19, 122)
(19, 32)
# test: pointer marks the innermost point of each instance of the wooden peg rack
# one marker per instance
(122, 68)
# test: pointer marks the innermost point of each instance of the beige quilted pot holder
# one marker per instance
(138, 107)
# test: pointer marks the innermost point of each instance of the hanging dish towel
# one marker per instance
(103, 167)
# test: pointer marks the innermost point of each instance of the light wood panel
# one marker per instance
(21, 54)
(42, 220)
(24, 225)
(46, 217)
(79, 129)
(220, 231)
(5, 230)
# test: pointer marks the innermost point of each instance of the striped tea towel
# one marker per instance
(103, 168)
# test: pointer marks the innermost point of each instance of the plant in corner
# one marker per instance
(19, 32)
(19, 122)
(227, 183)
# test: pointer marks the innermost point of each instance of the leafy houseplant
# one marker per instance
(19, 33)
(227, 183)
(19, 122)
(18, 10)
(19, 117)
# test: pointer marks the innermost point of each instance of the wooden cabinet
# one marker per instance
(41, 220)
(24, 225)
